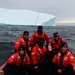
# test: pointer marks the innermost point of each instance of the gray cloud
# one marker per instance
(60, 8)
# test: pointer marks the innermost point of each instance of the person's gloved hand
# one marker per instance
(1, 72)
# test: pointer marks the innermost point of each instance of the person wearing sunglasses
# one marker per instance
(56, 42)
(64, 61)
(23, 40)
(18, 63)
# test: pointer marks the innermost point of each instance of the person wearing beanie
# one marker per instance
(40, 34)
(64, 61)
(56, 42)
(18, 63)
(23, 40)
(38, 57)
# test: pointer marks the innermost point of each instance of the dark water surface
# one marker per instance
(9, 34)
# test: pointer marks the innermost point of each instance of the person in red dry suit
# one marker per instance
(56, 41)
(38, 54)
(18, 63)
(40, 34)
(63, 61)
(23, 40)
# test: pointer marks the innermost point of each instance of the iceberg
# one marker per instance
(25, 17)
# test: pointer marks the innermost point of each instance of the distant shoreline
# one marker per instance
(65, 24)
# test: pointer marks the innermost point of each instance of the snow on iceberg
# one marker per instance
(25, 17)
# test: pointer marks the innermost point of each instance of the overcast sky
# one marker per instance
(60, 8)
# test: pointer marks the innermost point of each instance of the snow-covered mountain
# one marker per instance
(25, 17)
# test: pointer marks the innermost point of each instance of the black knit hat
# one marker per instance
(64, 44)
(56, 34)
(40, 27)
(26, 33)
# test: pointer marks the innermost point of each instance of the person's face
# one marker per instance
(56, 38)
(40, 31)
(26, 36)
(63, 49)
(22, 51)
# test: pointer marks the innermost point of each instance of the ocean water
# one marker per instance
(9, 34)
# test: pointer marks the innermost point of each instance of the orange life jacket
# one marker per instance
(37, 53)
(16, 59)
(67, 59)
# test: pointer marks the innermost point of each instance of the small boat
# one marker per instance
(2, 66)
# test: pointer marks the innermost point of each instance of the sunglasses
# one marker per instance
(21, 49)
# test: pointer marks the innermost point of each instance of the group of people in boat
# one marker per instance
(40, 55)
